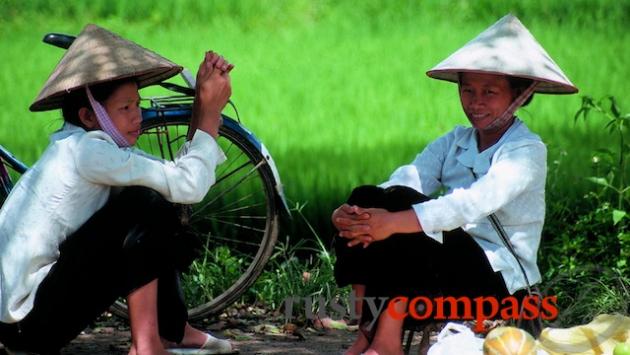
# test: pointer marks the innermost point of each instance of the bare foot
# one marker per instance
(359, 345)
(376, 351)
(148, 350)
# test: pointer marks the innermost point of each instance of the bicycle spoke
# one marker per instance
(231, 162)
(227, 151)
(241, 217)
(151, 141)
(234, 203)
(239, 208)
(234, 224)
(231, 188)
(234, 241)
(202, 208)
(231, 173)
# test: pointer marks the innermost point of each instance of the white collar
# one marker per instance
(66, 130)
(469, 155)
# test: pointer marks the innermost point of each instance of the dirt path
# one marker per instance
(113, 337)
(116, 342)
(261, 334)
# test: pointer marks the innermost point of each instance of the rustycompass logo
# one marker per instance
(478, 308)
(437, 308)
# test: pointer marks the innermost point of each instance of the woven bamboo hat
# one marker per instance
(506, 48)
(96, 56)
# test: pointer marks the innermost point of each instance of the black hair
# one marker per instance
(77, 99)
(519, 85)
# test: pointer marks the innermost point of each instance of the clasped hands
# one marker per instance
(363, 225)
(367, 225)
(212, 92)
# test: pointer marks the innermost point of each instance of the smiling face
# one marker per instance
(484, 98)
(123, 107)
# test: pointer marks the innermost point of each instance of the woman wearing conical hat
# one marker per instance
(395, 241)
(70, 244)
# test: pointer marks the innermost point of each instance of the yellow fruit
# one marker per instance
(509, 341)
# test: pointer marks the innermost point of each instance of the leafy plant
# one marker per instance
(586, 259)
(212, 274)
(611, 165)
(300, 270)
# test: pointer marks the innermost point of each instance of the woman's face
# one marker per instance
(484, 98)
(123, 107)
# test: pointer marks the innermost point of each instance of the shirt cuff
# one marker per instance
(425, 221)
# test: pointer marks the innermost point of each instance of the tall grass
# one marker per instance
(335, 89)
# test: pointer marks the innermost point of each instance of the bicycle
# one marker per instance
(239, 217)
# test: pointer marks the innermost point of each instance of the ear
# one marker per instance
(88, 118)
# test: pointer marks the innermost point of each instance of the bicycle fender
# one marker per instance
(247, 134)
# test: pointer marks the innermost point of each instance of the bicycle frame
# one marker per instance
(12, 161)
(5, 179)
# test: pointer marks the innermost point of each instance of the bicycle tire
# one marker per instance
(228, 139)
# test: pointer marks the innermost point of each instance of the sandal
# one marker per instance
(211, 346)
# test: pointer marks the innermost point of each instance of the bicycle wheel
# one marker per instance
(237, 219)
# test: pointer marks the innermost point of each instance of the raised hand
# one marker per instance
(213, 90)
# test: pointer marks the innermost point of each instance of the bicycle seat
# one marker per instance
(59, 40)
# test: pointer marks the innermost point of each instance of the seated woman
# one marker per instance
(395, 241)
(70, 243)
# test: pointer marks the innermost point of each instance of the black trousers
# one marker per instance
(414, 265)
(135, 238)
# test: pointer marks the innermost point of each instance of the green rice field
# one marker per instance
(336, 90)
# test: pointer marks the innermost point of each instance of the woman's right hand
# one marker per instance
(213, 90)
(352, 219)
(344, 216)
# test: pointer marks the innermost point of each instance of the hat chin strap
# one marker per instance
(105, 121)
(509, 112)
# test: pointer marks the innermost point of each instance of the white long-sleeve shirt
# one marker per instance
(511, 183)
(67, 185)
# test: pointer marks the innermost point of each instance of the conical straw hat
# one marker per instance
(98, 56)
(507, 48)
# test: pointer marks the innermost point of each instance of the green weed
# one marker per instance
(594, 231)
(588, 291)
(303, 269)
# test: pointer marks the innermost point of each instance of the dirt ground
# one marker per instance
(114, 339)
(116, 342)
(251, 330)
